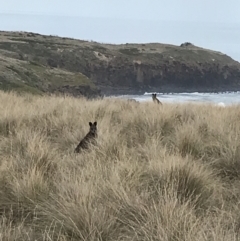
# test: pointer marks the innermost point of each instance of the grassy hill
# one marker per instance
(168, 172)
(25, 65)
(40, 63)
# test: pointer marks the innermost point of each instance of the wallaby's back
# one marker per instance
(89, 138)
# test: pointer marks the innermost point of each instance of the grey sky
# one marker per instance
(207, 23)
(187, 10)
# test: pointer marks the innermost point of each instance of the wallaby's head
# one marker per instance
(93, 127)
(154, 96)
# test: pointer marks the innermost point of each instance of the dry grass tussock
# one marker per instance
(166, 173)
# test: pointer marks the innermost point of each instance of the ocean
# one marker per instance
(224, 37)
(220, 99)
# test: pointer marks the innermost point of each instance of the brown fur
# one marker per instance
(155, 99)
(89, 138)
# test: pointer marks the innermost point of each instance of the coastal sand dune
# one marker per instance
(155, 173)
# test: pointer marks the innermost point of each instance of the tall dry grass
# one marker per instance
(168, 172)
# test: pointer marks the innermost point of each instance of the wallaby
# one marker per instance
(89, 138)
(155, 99)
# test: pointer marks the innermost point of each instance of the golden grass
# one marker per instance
(168, 172)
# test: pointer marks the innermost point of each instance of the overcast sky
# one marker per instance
(211, 24)
(188, 10)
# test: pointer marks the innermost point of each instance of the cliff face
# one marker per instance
(173, 69)
(54, 64)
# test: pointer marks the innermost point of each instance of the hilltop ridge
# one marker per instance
(41, 63)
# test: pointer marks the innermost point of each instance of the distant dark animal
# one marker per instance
(155, 99)
(89, 138)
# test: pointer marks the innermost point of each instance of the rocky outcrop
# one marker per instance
(168, 69)
(169, 76)
(84, 68)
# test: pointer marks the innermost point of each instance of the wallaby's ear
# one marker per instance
(95, 123)
(90, 123)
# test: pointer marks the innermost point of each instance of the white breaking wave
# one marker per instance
(221, 104)
(218, 99)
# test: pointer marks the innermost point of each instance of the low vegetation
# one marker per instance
(39, 64)
(30, 62)
(169, 172)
